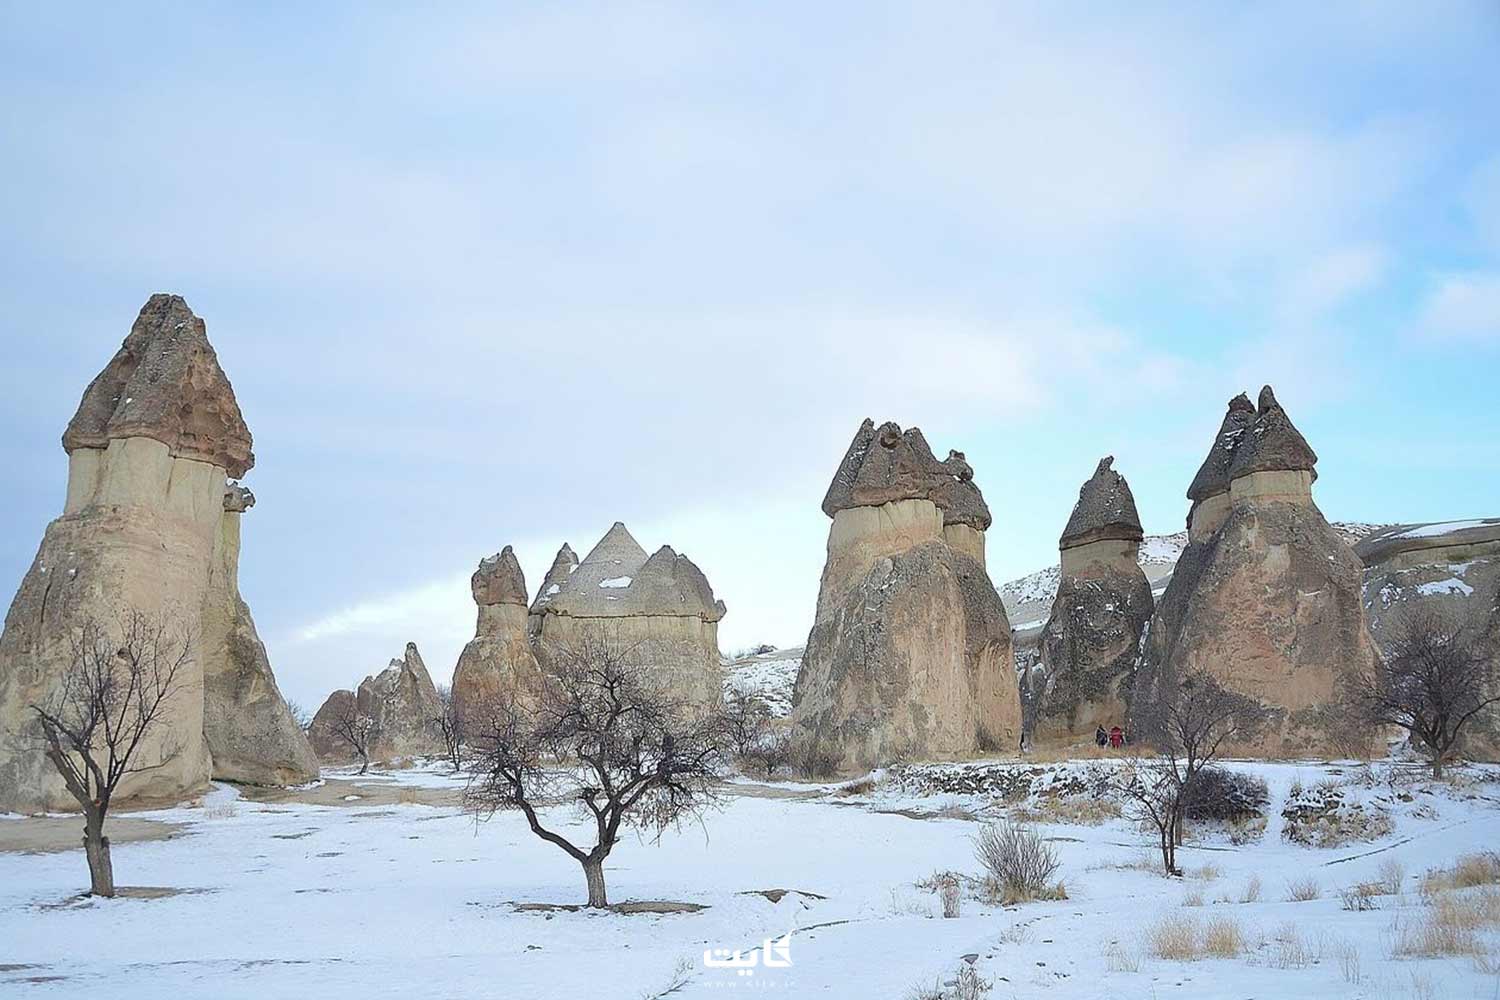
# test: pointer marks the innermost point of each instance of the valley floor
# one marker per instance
(313, 895)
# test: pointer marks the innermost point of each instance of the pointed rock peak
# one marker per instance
(165, 383)
(841, 490)
(1105, 509)
(670, 583)
(1213, 475)
(1273, 443)
(557, 578)
(617, 545)
(499, 580)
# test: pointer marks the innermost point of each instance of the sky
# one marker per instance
(499, 275)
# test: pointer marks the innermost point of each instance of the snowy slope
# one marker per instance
(770, 676)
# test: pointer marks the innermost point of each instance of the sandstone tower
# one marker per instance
(662, 609)
(1266, 597)
(150, 525)
(1091, 642)
(402, 703)
(910, 651)
(499, 659)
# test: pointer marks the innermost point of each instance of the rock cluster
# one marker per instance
(1451, 569)
(1267, 595)
(661, 609)
(150, 525)
(910, 651)
(499, 660)
(401, 704)
(1090, 644)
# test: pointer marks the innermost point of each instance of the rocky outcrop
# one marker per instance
(149, 525)
(499, 661)
(910, 651)
(661, 609)
(251, 733)
(1091, 642)
(1267, 595)
(1451, 569)
(563, 565)
(401, 704)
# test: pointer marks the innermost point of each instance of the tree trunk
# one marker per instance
(96, 849)
(593, 870)
(364, 764)
(1437, 766)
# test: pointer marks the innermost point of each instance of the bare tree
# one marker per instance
(772, 751)
(300, 715)
(356, 730)
(450, 725)
(1188, 730)
(600, 737)
(111, 703)
(746, 720)
(1434, 682)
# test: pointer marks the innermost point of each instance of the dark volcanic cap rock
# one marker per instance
(499, 580)
(1213, 475)
(165, 383)
(1272, 444)
(1105, 509)
(885, 464)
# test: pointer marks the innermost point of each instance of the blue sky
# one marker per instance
(491, 276)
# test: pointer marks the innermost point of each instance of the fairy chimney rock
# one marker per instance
(151, 525)
(1209, 489)
(910, 649)
(660, 607)
(499, 659)
(1104, 527)
(1273, 460)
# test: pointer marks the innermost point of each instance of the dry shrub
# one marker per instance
(1118, 959)
(227, 810)
(1205, 872)
(1222, 938)
(863, 786)
(1290, 950)
(1173, 938)
(1433, 937)
(1476, 869)
(1348, 956)
(1067, 810)
(1018, 863)
(1392, 876)
(1246, 829)
(1361, 897)
(1252, 890)
(970, 985)
(950, 897)
(1193, 898)
(1303, 890)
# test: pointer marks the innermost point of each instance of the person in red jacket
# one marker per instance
(1116, 738)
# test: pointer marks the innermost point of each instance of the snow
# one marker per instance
(1440, 528)
(1452, 585)
(554, 589)
(615, 583)
(412, 901)
(770, 676)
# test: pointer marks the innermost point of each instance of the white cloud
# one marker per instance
(1462, 308)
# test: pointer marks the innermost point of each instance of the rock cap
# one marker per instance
(563, 566)
(617, 580)
(885, 464)
(165, 383)
(1213, 475)
(1105, 509)
(1273, 443)
(499, 580)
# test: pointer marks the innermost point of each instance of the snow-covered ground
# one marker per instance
(409, 900)
(770, 676)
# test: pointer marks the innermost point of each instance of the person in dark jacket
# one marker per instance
(1101, 738)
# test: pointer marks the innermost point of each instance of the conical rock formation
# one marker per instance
(1266, 597)
(150, 526)
(499, 660)
(660, 608)
(1091, 642)
(402, 705)
(910, 651)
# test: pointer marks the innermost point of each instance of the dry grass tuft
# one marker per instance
(1222, 938)
(1252, 890)
(1303, 890)
(1193, 898)
(1392, 876)
(1069, 810)
(1361, 896)
(1174, 939)
(1289, 949)
(1118, 959)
